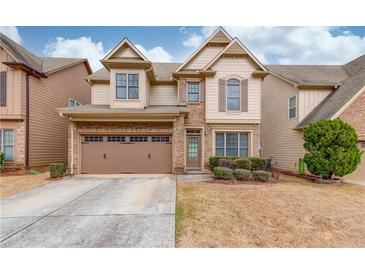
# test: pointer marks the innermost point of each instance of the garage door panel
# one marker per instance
(115, 157)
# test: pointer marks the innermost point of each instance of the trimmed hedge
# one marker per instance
(213, 161)
(57, 170)
(261, 175)
(243, 163)
(226, 163)
(242, 174)
(223, 173)
(2, 159)
(257, 163)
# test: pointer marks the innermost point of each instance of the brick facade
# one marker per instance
(355, 114)
(19, 140)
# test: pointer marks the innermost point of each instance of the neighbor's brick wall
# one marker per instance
(355, 115)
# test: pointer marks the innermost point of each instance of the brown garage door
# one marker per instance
(112, 154)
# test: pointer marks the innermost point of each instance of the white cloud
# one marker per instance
(296, 45)
(193, 40)
(12, 33)
(82, 47)
(156, 54)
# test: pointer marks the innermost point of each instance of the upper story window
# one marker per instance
(292, 107)
(127, 86)
(233, 94)
(193, 92)
(73, 103)
(2, 88)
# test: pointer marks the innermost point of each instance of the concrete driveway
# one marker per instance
(92, 212)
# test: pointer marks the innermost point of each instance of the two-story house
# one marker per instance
(31, 88)
(148, 117)
(293, 96)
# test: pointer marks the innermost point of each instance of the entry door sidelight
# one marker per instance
(193, 157)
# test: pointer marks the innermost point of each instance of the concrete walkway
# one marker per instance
(92, 212)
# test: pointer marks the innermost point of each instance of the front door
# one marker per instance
(193, 154)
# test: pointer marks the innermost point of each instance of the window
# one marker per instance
(231, 144)
(116, 139)
(7, 143)
(93, 138)
(127, 86)
(292, 107)
(160, 139)
(73, 103)
(135, 139)
(193, 92)
(2, 88)
(233, 94)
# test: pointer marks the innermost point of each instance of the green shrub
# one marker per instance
(331, 147)
(57, 170)
(213, 161)
(243, 163)
(242, 174)
(223, 173)
(257, 163)
(2, 160)
(226, 163)
(301, 166)
(261, 175)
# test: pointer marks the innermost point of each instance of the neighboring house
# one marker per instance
(148, 117)
(296, 95)
(32, 133)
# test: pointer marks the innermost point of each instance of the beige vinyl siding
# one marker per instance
(238, 68)
(203, 57)
(308, 99)
(163, 95)
(278, 139)
(126, 52)
(14, 78)
(100, 94)
(48, 131)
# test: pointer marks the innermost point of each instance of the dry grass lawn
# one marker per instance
(292, 213)
(10, 185)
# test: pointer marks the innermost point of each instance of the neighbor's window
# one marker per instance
(193, 92)
(2, 88)
(7, 143)
(73, 103)
(233, 94)
(231, 144)
(127, 86)
(292, 107)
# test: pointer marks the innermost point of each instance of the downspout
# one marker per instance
(27, 100)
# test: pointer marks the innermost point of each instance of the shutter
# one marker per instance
(202, 91)
(3, 88)
(221, 95)
(182, 92)
(244, 95)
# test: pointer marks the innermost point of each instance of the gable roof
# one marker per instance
(220, 31)
(348, 80)
(123, 42)
(315, 75)
(42, 65)
(234, 44)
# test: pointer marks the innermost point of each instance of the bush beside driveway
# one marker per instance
(291, 213)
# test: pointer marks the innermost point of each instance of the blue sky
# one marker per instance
(274, 45)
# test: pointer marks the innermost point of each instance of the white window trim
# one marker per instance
(187, 92)
(239, 96)
(127, 87)
(296, 107)
(2, 130)
(250, 139)
(77, 102)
